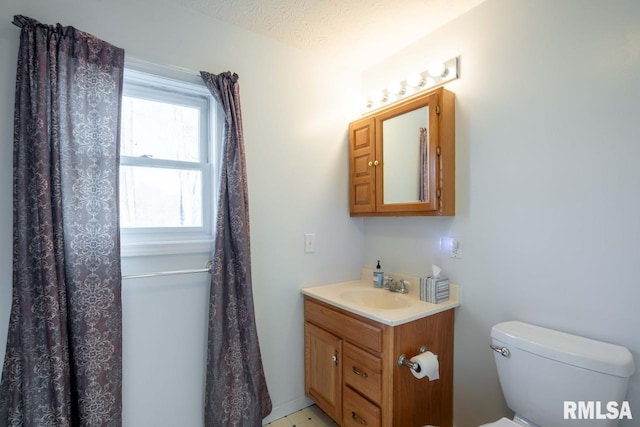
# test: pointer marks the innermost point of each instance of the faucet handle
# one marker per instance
(404, 286)
(388, 282)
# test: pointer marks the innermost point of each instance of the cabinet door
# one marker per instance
(323, 369)
(362, 166)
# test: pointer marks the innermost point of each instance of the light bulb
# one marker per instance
(437, 69)
(378, 96)
(415, 80)
(396, 88)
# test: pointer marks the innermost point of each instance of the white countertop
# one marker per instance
(410, 307)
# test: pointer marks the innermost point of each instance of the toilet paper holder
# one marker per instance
(403, 361)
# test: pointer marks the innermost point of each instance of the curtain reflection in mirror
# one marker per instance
(424, 165)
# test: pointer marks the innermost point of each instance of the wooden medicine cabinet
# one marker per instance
(402, 158)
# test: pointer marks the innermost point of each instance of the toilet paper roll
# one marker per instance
(427, 366)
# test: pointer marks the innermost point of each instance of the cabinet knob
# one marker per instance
(334, 358)
(370, 163)
(376, 163)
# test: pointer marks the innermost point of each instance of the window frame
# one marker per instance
(168, 84)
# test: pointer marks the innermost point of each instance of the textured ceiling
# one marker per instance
(365, 31)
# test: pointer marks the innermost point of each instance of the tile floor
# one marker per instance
(311, 416)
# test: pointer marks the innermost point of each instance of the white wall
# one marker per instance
(547, 197)
(547, 183)
(295, 111)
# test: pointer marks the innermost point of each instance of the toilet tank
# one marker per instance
(544, 368)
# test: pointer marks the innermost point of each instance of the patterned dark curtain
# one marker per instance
(63, 360)
(236, 389)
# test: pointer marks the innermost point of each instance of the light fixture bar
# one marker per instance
(436, 74)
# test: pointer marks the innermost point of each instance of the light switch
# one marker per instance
(309, 243)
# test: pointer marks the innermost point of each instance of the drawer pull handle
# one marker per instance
(357, 418)
(358, 372)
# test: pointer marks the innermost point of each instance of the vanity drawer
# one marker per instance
(358, 411)
(362, 371)
(353, 330)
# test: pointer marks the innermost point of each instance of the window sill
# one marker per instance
(138, 249)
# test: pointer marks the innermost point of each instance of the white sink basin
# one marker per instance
(376, 298)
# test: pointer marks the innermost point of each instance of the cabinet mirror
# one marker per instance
(405, 150)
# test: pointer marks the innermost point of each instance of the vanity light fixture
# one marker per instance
(436, 74)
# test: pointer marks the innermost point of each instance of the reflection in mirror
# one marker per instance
(405, 157)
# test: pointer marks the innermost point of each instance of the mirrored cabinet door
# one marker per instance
(402, 158)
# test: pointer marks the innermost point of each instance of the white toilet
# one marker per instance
(545, 374)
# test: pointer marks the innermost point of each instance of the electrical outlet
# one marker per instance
(455, 248)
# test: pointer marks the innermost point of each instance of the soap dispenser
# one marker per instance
(378, 276)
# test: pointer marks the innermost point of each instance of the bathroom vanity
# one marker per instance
(354, 336)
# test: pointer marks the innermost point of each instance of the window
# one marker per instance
(166, 165)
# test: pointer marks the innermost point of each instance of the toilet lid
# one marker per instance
(502, 422)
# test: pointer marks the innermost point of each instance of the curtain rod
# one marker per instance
(170, 273)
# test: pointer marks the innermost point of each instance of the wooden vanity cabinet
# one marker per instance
(435, 173)
(351, 369)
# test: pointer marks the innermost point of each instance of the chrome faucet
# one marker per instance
(400, 286)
